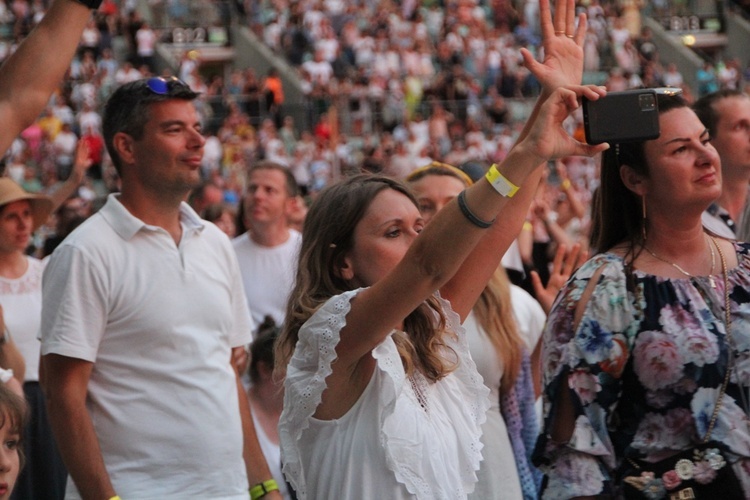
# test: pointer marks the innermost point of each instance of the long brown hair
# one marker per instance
(494, 312)
(493, 309)
(327, 237)
(619, 217)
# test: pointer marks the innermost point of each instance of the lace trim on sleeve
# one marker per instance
(305, 380)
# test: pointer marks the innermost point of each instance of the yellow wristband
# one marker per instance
(527, 226)
(116, 497)
(262, 489)
(501, 184)
(565, 184)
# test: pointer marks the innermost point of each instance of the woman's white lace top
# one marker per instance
(403, 438)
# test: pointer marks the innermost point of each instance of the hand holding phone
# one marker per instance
(627, 116)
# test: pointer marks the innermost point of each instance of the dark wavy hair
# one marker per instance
(618, 213)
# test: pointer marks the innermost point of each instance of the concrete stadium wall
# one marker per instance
(738, 34)
(671, 49)
(252, 53)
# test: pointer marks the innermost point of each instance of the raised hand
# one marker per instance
(547, 138)
(82, 162)
(563, 46)
(563, 266)
(541, 209)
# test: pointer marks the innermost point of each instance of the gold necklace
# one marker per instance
(711, 246)
(730, 345)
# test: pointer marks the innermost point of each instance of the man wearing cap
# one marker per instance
(143, 309)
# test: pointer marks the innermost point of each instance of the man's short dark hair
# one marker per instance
(292, 189)
(704, 107)
(127, 109)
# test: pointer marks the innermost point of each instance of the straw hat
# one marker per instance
(41, 206)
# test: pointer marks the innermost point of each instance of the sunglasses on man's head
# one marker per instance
(161, 86)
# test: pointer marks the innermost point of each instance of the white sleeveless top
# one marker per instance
(389, 444)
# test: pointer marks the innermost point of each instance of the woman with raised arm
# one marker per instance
(381, 396)
(646, 347)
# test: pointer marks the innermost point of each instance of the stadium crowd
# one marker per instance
(402, 89)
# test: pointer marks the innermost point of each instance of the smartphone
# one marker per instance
(627, 116)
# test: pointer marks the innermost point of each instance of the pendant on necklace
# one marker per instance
(712, 282)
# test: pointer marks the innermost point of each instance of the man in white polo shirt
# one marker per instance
(142, 310)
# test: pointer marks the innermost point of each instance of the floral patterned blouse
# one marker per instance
(644, 369)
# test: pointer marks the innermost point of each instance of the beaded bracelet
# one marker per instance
(501, 184)
(483, 224)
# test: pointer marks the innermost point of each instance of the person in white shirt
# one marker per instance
(89, 119)
(145, 39)
(64, 146)
(21, 213)
(266, 396)
(672, 77)
(142, 318)
(268, 251)
(381, 394)
(319, 69)
(127, 73)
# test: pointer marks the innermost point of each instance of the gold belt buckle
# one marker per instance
(684, 494)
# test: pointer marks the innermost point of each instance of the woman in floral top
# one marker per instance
(635, 346)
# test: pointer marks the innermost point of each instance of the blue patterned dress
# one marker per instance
(643, 368)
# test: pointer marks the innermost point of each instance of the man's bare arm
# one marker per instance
(65, 384)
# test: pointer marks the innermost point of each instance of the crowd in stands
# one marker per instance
(389, 87)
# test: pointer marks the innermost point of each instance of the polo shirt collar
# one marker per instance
(126, 225)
